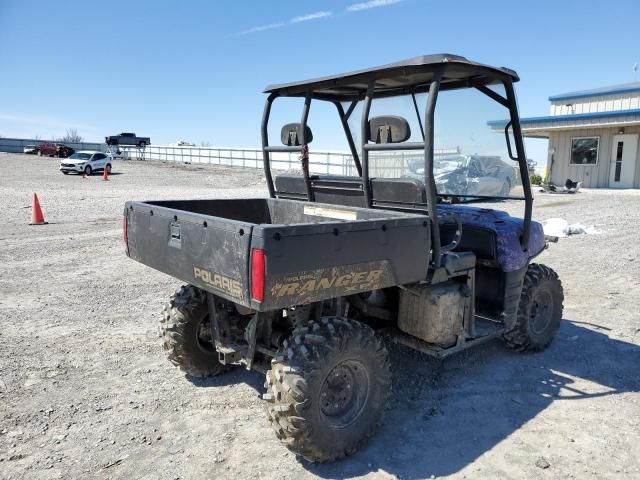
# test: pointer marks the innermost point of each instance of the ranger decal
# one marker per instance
(297, 288)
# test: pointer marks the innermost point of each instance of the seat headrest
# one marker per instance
(291, 134)
(389, 129)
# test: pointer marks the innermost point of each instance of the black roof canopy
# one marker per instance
(400, 78)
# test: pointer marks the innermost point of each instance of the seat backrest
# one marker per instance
(341, 190)
(398, 190)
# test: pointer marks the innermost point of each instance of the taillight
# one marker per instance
(257, 274)
(124, 233)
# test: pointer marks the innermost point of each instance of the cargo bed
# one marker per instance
(269, 253)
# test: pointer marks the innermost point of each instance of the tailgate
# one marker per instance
(209, 252)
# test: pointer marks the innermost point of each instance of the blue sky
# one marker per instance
(195, 70)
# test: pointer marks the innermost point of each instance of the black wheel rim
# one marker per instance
(344, 393)
(541, 312)
(203, 336)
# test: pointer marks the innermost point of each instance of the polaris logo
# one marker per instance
(218, 281)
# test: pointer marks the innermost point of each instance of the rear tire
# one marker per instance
(186, 333)
(299, 315)
(108, 167)
(327, 388)
(539, 310)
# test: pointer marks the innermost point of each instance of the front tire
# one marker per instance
(327, 388)
(108, 167)
(539, 310)
(87, 170)
(186, 333)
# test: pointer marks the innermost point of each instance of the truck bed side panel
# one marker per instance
(321, 264)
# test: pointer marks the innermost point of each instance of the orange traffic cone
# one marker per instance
(105, 175)
(36, 212)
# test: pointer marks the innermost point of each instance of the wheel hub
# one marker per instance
(203, 336)
(344, 393)
(541, 311)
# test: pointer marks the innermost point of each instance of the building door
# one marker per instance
(623, 160)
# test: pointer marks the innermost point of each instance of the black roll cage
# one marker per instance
(361, 159)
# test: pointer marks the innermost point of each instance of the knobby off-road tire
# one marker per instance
(327, 388)
(539, 311)
(186, 335)
(299, 315)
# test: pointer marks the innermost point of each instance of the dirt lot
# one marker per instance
(85, 390)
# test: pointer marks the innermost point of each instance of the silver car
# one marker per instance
(469, 176)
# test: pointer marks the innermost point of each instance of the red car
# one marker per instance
(53, 150)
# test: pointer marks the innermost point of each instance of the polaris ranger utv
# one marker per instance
(302, 285)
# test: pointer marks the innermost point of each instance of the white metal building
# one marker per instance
(593, 136)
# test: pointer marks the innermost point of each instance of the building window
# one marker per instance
(584, 150)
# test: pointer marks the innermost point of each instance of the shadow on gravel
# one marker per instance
(444, 415)
(235, 375)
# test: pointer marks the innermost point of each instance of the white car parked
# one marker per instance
(86, 162)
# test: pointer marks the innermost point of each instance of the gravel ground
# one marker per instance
(85, 390)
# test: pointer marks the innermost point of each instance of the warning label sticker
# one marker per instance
(330, 213)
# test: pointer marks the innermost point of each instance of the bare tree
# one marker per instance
(72, 136)
(205, 144)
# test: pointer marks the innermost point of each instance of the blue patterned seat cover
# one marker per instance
(508, 230)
